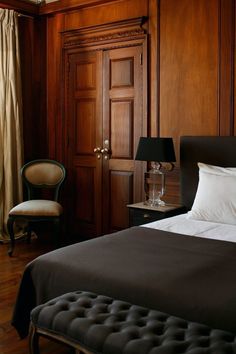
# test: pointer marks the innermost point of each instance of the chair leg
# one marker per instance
(10, 227)
(33, 340)
(28, 232)
(57, 232)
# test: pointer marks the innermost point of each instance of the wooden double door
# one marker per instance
(105, 116)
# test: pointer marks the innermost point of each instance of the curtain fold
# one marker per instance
(11, 140)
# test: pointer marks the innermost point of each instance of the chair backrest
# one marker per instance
(43, 173)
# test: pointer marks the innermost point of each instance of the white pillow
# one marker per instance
(215, 199)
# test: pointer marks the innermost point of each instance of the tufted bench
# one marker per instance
(93, 323)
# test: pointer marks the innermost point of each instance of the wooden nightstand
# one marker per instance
(140, 213)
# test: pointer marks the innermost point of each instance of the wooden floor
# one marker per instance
(11, 269)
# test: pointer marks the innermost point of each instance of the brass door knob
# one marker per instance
(105, 151)
(97, 150)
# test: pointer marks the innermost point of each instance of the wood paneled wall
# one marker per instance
(191, 78)
(191, 52)
(196, 67)
(55, 91)
(189, 68)
(33, 67)
(196, 71)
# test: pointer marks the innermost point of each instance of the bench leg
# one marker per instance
(35, 334)
(33, 340)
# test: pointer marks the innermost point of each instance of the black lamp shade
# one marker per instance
(156, 149)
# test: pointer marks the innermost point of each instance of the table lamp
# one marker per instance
(156, 151)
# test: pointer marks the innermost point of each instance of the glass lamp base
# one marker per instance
(155, 202)
(154, 185)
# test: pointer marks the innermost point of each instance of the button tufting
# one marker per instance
(97, 322)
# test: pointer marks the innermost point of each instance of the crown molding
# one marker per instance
(68, 5)
(106, 34)
(23, 6)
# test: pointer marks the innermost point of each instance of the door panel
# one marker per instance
(120, 198)
(85, 122)
(104, 112)
(85, 190)
(86, 76)
(122, 72)
(122, 127)
(84, 129)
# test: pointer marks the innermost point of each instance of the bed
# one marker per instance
(184, 266)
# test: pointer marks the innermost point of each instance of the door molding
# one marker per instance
(97, 40)
(111, 35)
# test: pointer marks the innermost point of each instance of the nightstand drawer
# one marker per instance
(139, 217)
(140, 214)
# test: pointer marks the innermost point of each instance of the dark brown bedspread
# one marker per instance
(190, 277)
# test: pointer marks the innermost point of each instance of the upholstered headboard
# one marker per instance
(213, 150)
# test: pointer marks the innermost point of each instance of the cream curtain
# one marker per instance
(11, 141)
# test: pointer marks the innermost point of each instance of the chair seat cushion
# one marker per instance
(37, 207)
